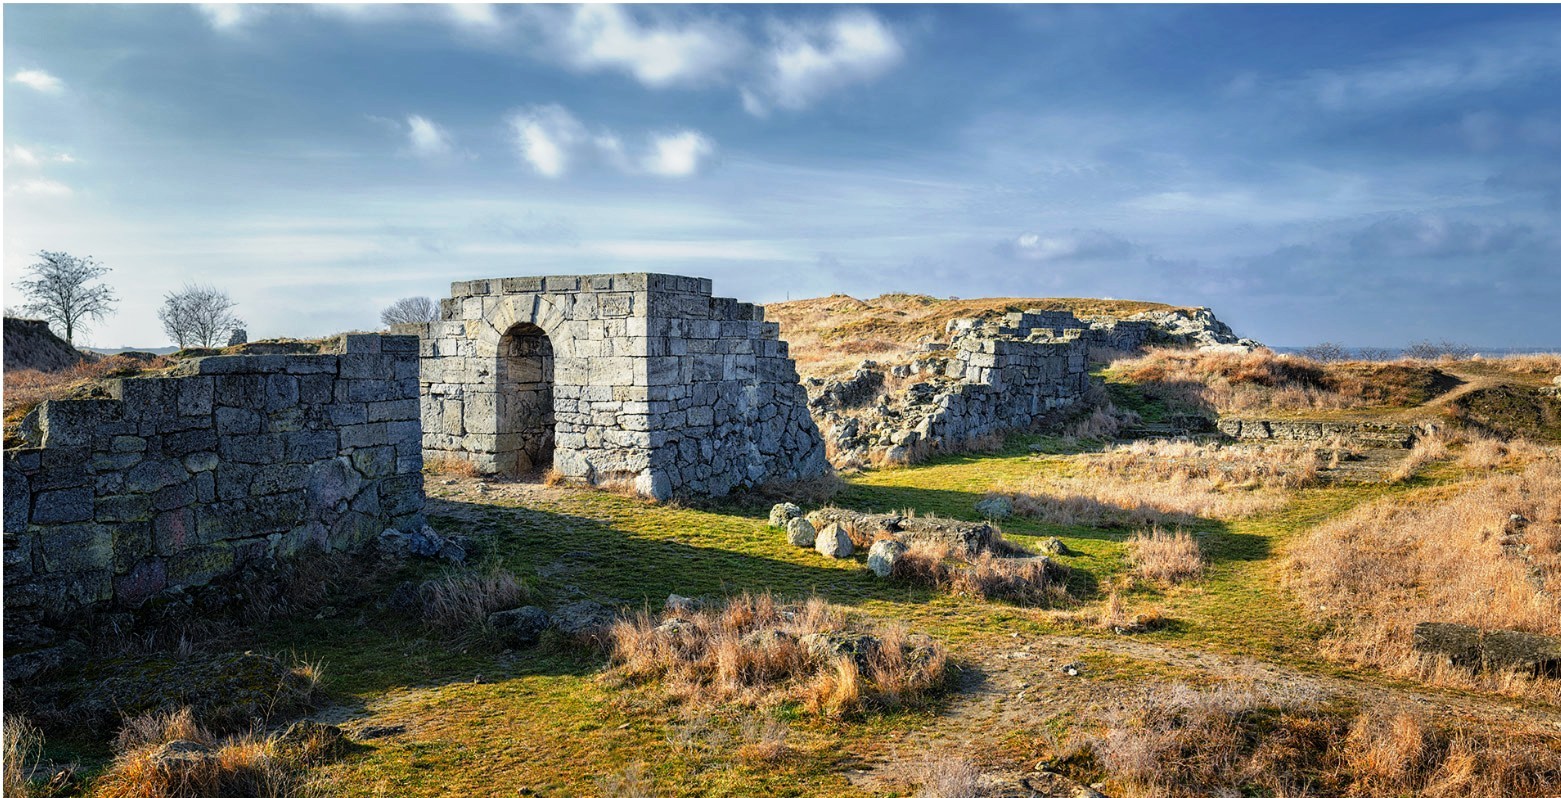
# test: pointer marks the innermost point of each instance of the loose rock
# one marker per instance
(995, 507)
(883, 555)
(783, 512)
(800, 533)
(520, 627)
(832, 541)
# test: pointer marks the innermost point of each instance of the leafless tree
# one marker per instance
(198, 315)
(57, 290)
(1326, 352)
(1435, 350)
(410, 310)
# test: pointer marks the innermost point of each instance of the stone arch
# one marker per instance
(524, 400)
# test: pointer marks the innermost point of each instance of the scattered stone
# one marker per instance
(800, 533)
(583, 618)
(322, 741)
(1055, 547)
(674, 626)
(520, 627)
(995, 507)
(840, 644)
(883, 555)
(782, 513)
(1072, 669)
(832, 541)
(377, 732)
(676, 603)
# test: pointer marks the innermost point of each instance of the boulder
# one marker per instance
(783, 512)
(520, 627)
(800, 533)
(883, 555)
(1055, 547)
(1476, 648)
(995, 507)
(832, 541)
(676, 603)
(584, 618)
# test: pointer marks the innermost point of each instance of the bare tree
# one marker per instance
(198, 315)
(1326, 352)
(58, 290)
(410, 310)
(1435, 350)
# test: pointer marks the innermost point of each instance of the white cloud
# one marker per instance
(677, 155)
(229, 17)
(553, 142)
(1457, 69)
(809, 61)
(426, 138)
(24, 158)
(547, 137)
(39, 80)
(41, 187)
(1072, 245)
(590, 38)
(481, 17)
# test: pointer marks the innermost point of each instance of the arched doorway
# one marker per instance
(524, 401)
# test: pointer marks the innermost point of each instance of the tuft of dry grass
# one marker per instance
(169, 755)
(1026, 580)
(449, 465)
(460, 601)
(1168, 558)
(764, 742)
(1170, 741)
(753, 650)
(1486, 553)
(23, 746)
(950, 778)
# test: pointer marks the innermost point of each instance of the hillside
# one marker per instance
(831, 335)
(30, 344)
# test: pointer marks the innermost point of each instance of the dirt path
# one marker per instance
(1020, 683)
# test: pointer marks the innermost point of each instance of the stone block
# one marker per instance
(65, 506)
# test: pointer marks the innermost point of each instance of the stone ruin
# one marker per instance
(638, 379)
(223, 466)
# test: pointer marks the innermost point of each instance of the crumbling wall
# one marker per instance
(177, 480)
(655, 383)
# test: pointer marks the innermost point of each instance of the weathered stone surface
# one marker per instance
(1472, 647)
(520, 627)
(995, 507)
(800, 533)
(883, 555)
(832, 541)
(234, 460)
(643, 380)
(782, 513)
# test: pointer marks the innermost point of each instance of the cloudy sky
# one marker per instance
(1373, 175)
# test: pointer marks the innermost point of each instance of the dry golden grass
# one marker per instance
(169, 755)
(461, 601)
(1169, 741)
(1147, 483)
(27, 388)
(1486, 553)
(1028, 581)
(949, 778)
(446, 465)
(1167, 558)
(755, 651)
(764, 742)
(1229, 382)
(831, 335)
(23, 745)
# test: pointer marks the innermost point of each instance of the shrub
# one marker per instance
(1025, 580)
(23, 744)
(950, 778)
(169, 755)
(460, 601)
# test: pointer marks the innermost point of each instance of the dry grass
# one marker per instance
(1169, 483)
(27, 388)
(461, 601)
(755, 651)
(23, 746)
(1169, 741)
(949, 778)
(1167, 558)
(1486, 553)
(1028, 581)
(764, 742)
(169, 755)
(1228, 382)
(451, 466)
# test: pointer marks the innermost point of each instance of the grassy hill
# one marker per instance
(831, 335)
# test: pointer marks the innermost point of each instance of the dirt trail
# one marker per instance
(1019, 683)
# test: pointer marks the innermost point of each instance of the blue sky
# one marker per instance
(1368, 174)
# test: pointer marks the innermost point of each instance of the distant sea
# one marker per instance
(1391, 353)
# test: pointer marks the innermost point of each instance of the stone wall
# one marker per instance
(993, 376)
(177, 480)
(642, 379)
(1382, 434)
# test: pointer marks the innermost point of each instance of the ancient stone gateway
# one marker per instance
(642, 379)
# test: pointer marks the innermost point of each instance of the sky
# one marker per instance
(1372, 175)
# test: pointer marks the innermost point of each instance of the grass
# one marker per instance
(545, 720)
